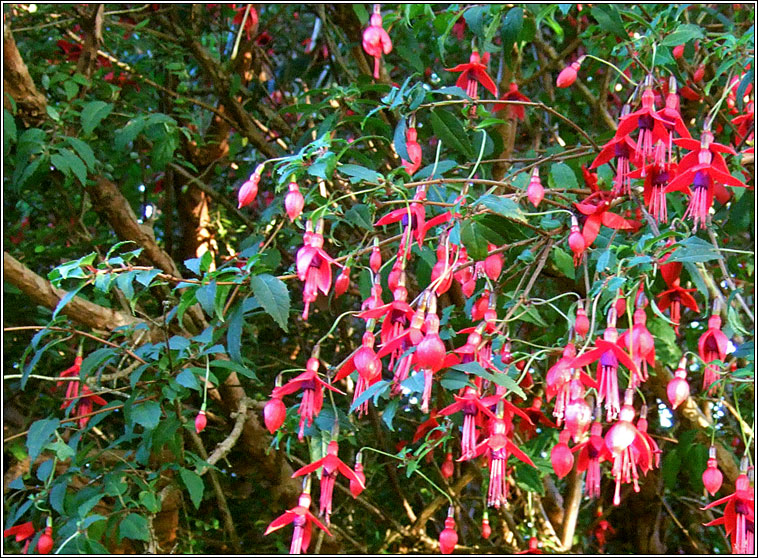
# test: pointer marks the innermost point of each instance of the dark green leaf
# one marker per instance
(83, 150)
(609, 19)
(694, 249)
(450, 132)
(93, 113)
(683, 34)
(39, 435)
(66, 162)
(273, 297)
(194, 484)
(388, 414)
(359, 173)
(512, 26)
(135, 527)
(371, 391)
(360, 216)
(474, 241)
(502, 206)
(206, 296)
(399, 140)
(147, 414)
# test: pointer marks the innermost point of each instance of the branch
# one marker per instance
(44, 293)
(226, 446)
(18, 84)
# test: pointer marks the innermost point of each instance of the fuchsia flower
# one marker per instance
(200, 421)
(251, 22)
(249, 189)
(678, 390)
(448, 536)
(375, 260)
(471, 403)
(486, 529)
(22, 532)
(641, 346)
(576, 241)
(598, 213)
(498, 446)
(582, 322)
(72, 387)
(358, 484)
(624, 150)
(673, 117)
(414, 216)
(314, 266)
(302, 518)
(368, 365)
(567, 77)
(591, 453)
(442, 272)
(534, 547)
(629, 448)
(274, 413)
(448, 467)
(558, 382)
(493, 264)
(376, 40)
(657, 178)
(712, 346)
(430, 353)
(472, 74)
(294, 201)
(85, 399)
(342, 282)
(646, 464)
(513, 112)
(313, 391)
(332, 465)
(535, 414)
(739, 515)
(414, 151)
(712, 477)
(578, 412)
(535, 192)
(561, 457)
(701, 177)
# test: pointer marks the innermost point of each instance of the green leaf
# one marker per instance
(358, 173)
(39, 435)
(528, 478)
(135, 527)
(374, 390)
(474, 241)
(66, 162)
(501, 379)
(563, 261)
(449, 130)
(454, 380)
(93, 113)
(388, 414)
(609, 19)
(194, 484)
(694, 249)
(9, 130)
(399, 140)
(512, 25)
(683, 34)
(187, 379)
(147, 414)
(561, 176)
(234, 334)
(206, 296)
(359, 216)
(128, 133)
(273, 297)
(474, 17)
(68, 297)
(502, 206)
(83, 150)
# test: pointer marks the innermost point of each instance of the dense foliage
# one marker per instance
(478, 278)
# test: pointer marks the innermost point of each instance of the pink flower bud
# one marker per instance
(200, 422)
(561, 457)
(375, 261)
(567, 77)
(678, 51)
(712, 477)
(678, 390)
(582, 322)
(294, 202)
(356, 488)
(448, 467)
(448, 536)
(486, 529)
(45, 543)
(274, 413)
(342, 282)
(535, 192)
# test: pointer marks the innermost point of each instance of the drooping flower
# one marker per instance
(375, 260)
(641, 346)
(358, 484)
(342, 282)
(376, 40)
(591, 453)
(645, 463)
(533, 548)
(678, 390)
(302, 518)
(739, 515)
(45, 542)
(414, 151)
(314, 266)
(472, 74)
(567, 77)
(22, 532)
(332, 465)
(578, 412)
(582, 322)
(274, 411)
(624, 150)
(368, 365)
(249, 189)
(313, 391)
(448, 467)
(251, 21)
(712, 477)
(414, 216)
(84, 404)
(471, 403)
(493, 264)
(513, 111)
(294, 201)
(200, 421)
(561, 457)
(673, 117)
(535, 191)
(602, 527)
(448, 536)
(712, 346)
(596, 208)
(656, 177)
(576, 241)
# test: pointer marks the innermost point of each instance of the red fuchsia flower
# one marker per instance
(578, 412)
(72, 387)
(712, 346)
(313, 391)
(414, 216)
(624, 150)
(576, 241)
(22, 532)
(430, 353)
(703, 180)
(608, 355)
(646, 464)
(493, 264)
(671, 113)
(657, 177)
(274, 411)
(448, 467)
(535, 414)
(375, 300)
(414, 151)
(448, 536)
(45, 542)
(376, 40)
(201, 421)
(342, 282)
(358, 484)
(591, 453)
(582, 322)
(535, 192)
(427, 426)
(629, 448)
(251, 21)
(744, 124)
(459, 28)
(739, 515)
(567, 77)
(84, 404)
(332, 465)
(486, 529)
(472, 74)
(375, 260)
(561, 457)
(294, 201)
(678, 390)
(302, 518)
(534, 547)
(368, 365)
(442, 272)
(641, 346)
(498, 446)
(513, 111)
(558, 382)
(249, 189)
(712, 477)
(471, 403)
(596, 208)
(649, 123)
(600, 531)
(314, 266)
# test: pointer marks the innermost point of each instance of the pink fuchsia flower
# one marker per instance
(644, 463)
(358, 484)
(739, 515)
(368, 365)
(578, 412)
(641, 346)
(294, 202)
(331, 466)
(576, 241)
(472, 74)
(448, 536)
(376, 40)
(302, 518)
(414, 151)
(711, 346)
(567, 77)
(534, 547)
(430, 354)
(471, 403)
(72, 387)
(314, 266)
(513, 111)
(448, 467)
(45, 542)
(671, 113)
(624, 150)
(200, 421)
(712, 477)
(591, 453)
(596, 208)
(535, 191)
(561, 457)
(657, 177)
(375, 260)
(274, 413)
(313, 391)
(249, 189)
(84, 404)
(414, 217)
(536, 416)
(678, 390)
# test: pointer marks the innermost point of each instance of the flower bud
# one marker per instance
(567, 77)
(375, 261)
(535, 192)
(200, 421)
(274, 413)
(486, 529)
(678, 51)
(561, 457)
(294, 202)
(582, 322)
(342, 282)
(45, 543)
(448, 467)
(448, 536)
